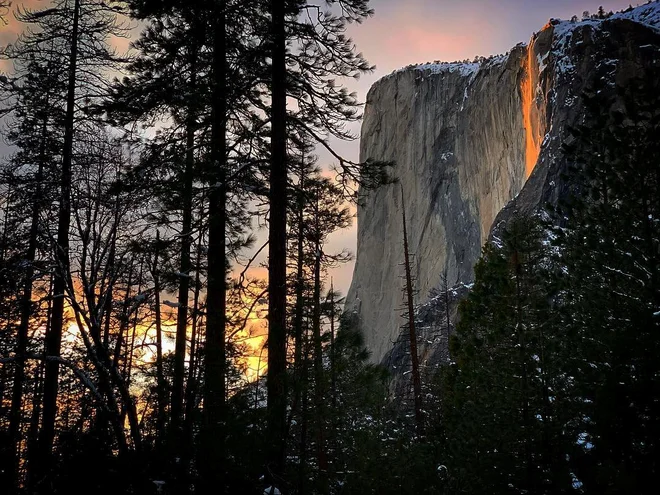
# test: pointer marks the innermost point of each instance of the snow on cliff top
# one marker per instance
(465, 68)
(647, 14)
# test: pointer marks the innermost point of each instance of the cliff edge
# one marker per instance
(472, 144)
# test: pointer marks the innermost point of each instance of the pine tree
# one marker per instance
(75, 34)
(35, 133)
(306, 75)
(205, 44)
(123, 243)
(317, 212)
(54, 338)
(500, 399)
(610, 247)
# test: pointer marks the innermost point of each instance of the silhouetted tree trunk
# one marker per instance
(298, 311)
(302, 467)
(130, 347)
(213, 467)
(191, 381)
(522, 345)
(37, 401)
(185, 266)
(300, 361)
(24, 324)
(123, 324)
(276, 379)
(414, 357)
(111, 267)
(160, 377)
(34, 421)
(318, 363)
(333, 355)
(54, 338)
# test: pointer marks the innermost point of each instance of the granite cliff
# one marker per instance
(472, 144)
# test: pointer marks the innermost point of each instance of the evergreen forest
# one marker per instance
(168, 320)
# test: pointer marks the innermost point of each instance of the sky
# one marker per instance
(404, 32)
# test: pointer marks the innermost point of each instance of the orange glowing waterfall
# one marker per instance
(530, 112)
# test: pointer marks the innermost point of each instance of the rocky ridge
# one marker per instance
(473, 144)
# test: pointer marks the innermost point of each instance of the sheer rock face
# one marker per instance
(465, 139)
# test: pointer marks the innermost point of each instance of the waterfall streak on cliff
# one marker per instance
(527, 90)
(465, 139)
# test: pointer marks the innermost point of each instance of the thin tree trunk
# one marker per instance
(302, 466)
(123, 324)
(414, 357)
(26, 312)
(106, 375)
(160, 377)
(299, 304)
(318, 363)
(549, 453)
(6, 317)
(333, 375)
(107, 310)
(184, 266)
(34, 420)
(54, 339)
(213, 465)
(191, 383)
(131, 347)
(445, 287)
(33, 445)
(276, 379)
(300, 283)
(333, 354)
(4, 379)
